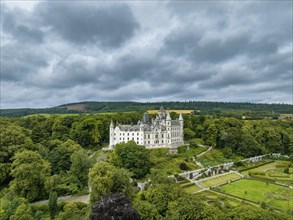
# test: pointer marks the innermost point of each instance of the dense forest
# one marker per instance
(199, 107)
(44, 157)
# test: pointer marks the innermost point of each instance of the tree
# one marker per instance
(106, 179)
(186, 207)
(286, 170)
(5, 169)
(161, 194)
(188, 134)
(9, 204)
(60, 131)
(53, 204)
(23, 212)
(80, 164)
(87, 133)
(74, 211)
(10, 134)
(30, 171)
(133, 157)
(210, 135)
(116, 206)
(60, 156)
(146, 210)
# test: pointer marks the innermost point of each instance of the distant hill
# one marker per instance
(96, 107)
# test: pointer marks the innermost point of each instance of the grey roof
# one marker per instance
(128, 127)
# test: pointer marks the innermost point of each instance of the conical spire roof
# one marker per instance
(168, 117)
(180, 117)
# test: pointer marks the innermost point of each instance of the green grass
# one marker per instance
(272, 171)
(191, 188)
(209, 195)
(273, 195)
(169, 164)
(212, 158)
(217, 180)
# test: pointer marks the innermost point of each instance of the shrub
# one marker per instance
(187, 184)
(182, 149)
(256, 172)
(183, 166)
(286, 170)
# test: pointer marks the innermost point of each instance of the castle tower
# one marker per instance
(111, 137)
(181, 124)
(168, 127)
(162, 113)
(141, 131)
(145, 119)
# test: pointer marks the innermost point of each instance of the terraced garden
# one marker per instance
(273, 171)
(170, 164)
(190, 187)
(219, 179)
(273, 195)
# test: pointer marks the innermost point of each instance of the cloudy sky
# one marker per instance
(60, 52)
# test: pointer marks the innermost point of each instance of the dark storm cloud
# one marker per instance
(81, 22)
(65, 52)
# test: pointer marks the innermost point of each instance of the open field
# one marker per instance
(286, 116)
(273, 171)
(273, 195)
(219, 179)
(176, 111)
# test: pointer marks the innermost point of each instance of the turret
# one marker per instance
(168, 119)
(162, 113)
(181, 124)
(111, 136)
(145, 118)
(180, 117)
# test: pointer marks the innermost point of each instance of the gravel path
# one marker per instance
(84, 199)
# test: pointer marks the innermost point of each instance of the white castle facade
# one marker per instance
(161, 132)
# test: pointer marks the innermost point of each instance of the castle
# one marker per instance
(161, 132)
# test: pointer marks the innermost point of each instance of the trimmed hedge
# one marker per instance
(259, 165)
(187, 184)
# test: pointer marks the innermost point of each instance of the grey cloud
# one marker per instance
(19, 62)
(82, 23)
(21, 26)
(62, 53)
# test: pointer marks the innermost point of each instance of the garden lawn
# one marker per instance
(191, 188)
(212, 158)
(273, 171)
(219, 179)
(263, 168)
(257, 191)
